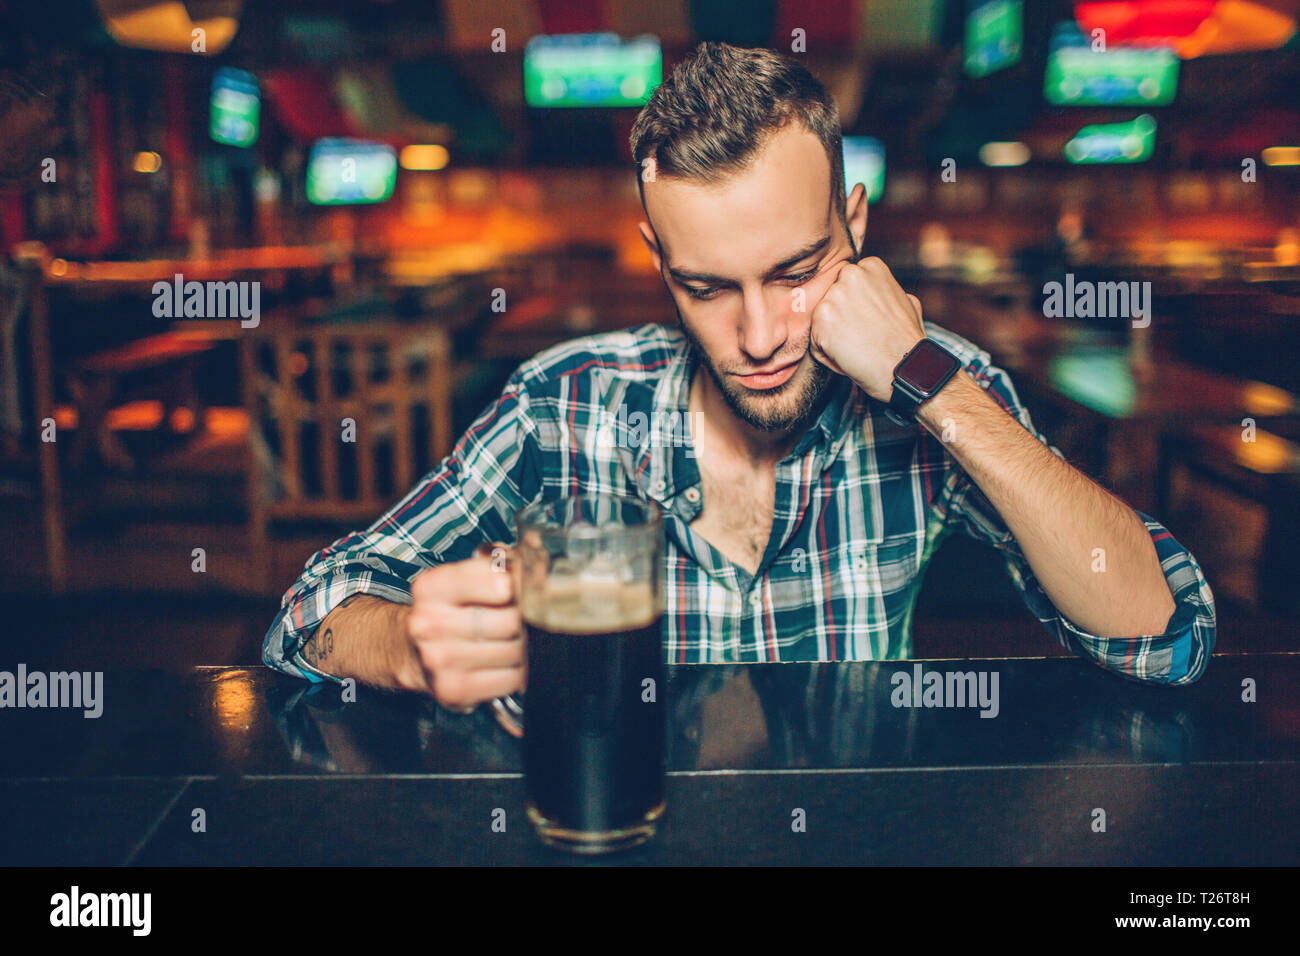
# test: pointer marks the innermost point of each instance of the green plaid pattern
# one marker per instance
(861, 505)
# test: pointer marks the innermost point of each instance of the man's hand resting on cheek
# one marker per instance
(864, 325)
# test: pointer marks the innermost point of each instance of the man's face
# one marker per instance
(746, 261)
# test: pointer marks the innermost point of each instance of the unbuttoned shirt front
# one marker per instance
(861, 505)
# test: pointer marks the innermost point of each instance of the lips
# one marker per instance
(770, 379)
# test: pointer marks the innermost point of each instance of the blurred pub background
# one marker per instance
(380, 168)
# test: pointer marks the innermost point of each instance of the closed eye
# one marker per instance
(701, 294)
(710, 292)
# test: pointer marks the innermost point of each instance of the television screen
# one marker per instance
(994, 35)
(591, 69)
(348, 171)
(1131, 142)
(864, 162)
(1078, 75)
(235, 107)
(1097, 379)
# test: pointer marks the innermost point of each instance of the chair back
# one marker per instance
(344, 418)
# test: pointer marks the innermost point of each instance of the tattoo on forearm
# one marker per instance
(319, 648)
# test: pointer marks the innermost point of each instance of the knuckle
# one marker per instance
(420, 626)
(436, 657)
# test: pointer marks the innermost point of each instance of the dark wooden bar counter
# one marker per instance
(288, 773)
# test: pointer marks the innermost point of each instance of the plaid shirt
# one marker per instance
(861, 505)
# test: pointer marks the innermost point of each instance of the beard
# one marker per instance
(790, 405)
(787, 407)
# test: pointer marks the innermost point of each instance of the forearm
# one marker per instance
(365, 638)
(1059, 517)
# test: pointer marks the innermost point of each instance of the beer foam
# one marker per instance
(576, 605)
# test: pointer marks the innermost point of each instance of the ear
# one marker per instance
(855, 211)
(651, 243)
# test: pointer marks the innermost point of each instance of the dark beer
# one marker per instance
(594, 724)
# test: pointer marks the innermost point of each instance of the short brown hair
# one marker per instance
(719, 107)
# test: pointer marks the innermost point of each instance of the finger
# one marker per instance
(465, 688)
(473, 622)
(840, 266)
(472, 581)
(822, 358)
(442, 656)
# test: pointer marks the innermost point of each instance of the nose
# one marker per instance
(764, 326)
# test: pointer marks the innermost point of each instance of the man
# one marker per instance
(802, 507)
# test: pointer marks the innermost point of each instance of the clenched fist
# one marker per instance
(864, 325)
(466, 631)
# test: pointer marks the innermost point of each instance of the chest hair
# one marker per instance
(736, 515)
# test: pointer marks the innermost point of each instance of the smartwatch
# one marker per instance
(922, 372)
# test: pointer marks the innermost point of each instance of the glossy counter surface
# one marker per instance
(288, 773)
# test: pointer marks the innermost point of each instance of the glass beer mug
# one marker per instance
(590, 594)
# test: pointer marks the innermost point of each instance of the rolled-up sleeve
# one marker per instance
(1179, 655)
(469, 498)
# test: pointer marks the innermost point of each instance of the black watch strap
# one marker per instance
(903, 404)
(906, 397)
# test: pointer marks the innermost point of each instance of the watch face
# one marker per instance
(926, 367)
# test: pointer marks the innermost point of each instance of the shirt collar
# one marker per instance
(834, 423)
(655, 434)
(657, 444)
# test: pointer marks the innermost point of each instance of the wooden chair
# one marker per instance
(308, 462)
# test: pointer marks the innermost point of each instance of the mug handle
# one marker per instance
(510, 714)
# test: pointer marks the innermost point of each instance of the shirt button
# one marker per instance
(659, 487)
(860, 562)
(756, 598)
(693, 495)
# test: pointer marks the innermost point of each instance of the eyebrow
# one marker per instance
(686, 275)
